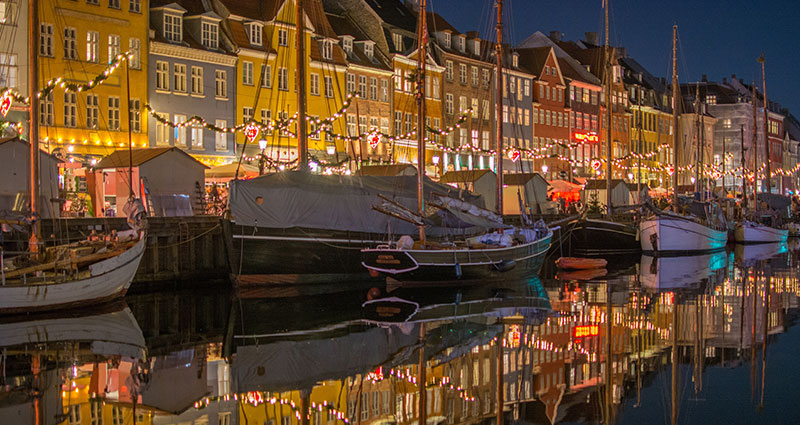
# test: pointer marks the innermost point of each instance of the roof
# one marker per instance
(519, 179)
(464, 176)
(538, 39)
(120, 158)
(600, 184)
(387, 170)
(262, 10)
(394, 13)
(342, 26)
(534, 58)
(25, 142)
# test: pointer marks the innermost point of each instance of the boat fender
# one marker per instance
(458, 270)
(654, 241)
(405, 242)
(373, 293)
(505, 265)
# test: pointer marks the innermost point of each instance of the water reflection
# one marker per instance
(660, 341)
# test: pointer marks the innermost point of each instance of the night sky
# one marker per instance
(715, 37)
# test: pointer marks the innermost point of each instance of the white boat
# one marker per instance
(751, 232)
(676, 234)
(668, 273)
(102, 281)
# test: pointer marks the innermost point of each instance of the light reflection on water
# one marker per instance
(596, 348)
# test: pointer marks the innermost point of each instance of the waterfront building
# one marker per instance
(695, 138)
(77, 41)
(467, 83)
(14, 64)
(262, 34)
(369, 74)
(190, 73)
(519, 117)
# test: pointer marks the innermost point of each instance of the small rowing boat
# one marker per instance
(575, 263)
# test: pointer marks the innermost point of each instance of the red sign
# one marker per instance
(586, 137)
(373, 140)
(587, 330)
(5, 104)
(670, 170)
(514, 336)
(251, 132)
(596, 164)
(513, 155)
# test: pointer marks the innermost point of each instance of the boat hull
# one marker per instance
(109, 280)
(604, 237)
(757, 233)
(673, 235)
(457, 266)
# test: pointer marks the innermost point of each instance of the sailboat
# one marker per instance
(753, 231)
(672, 233)
(490, 255)
(610, 235)
(66, 276)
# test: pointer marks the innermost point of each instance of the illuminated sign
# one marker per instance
(670, 170)
(596, 164)
(5, 104)
(251, 132)
(513, 155)
(373, 140)
(586, 137)
(588, 330)
(514, 336)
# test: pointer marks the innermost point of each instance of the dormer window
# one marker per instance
(210, 35)
(476, 45)
(447, 40)
(173, 28)
(254, 33)
(397, 39)
(283, 37)
(327, 49)
(515, 60)
(711, 99)
(461, 41)
(368, 50)
(347, 44)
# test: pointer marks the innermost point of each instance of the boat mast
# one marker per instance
(766, 123)
(744, 169)
(755, 152)
(422, 52)
(33, 131)
(609, 111)
(499, 107)
(698, 162)
(302, 131)
(675, 94)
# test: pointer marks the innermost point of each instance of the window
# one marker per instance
(162, 75)
(398, 79)
(385, 89)
(409, 123)
(711, 99)
(527, 85)
(197, 80)
(351, 83)
(92, 41)
(314, 83)
(254, 33)
(328, 86)
(221, 83)
(179, 77)
(162, 130)
(224, 418)
(397, 40)
(46, 110)
(197, 136)
(398, 123)
(462, 104)
(448, 104)
(283, 79)
(362, 86)
(462, 73)
(6, 12)
(173, 30)
(70, 43)
(327, 49)
(474, 72)
(448, 38)
(461, 40)
(486, 79)
(135, 6)
(8, 70)
(247, 114)
(70, 109)
(134, 48)
(436, 88)
(368, 49)
(116, 416)
(486, 110)
(113, 47)
(114, 4)
(96, 411)
(209, 35)
(474, 107)
(46, 39)
(92, 110)
(449, 70)
(74, 414)
(373, 88)
(247, 73)
(485, 140)
(113, 113)
(347, 44)
(283, 37)
(135, 115)
(179, 131)
(313, 133)
(266, 118)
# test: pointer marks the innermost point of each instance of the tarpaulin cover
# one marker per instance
(297, 199)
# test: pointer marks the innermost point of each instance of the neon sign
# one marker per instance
(586, 137)
(514, 336)
(588, 330)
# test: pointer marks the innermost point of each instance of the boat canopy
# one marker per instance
(299, 199)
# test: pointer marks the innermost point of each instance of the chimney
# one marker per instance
(555, 35)
(592, 38)
(704, 79)
(472, 34)
(733, 77)
(724, 80)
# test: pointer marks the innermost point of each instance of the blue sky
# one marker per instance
(716, 38)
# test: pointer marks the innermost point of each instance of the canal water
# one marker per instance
(703, 339)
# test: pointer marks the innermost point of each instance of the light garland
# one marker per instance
(256, 398)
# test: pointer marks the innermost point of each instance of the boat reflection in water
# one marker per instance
(669, 337)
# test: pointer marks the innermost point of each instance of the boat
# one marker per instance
(497, 254)
(704, 230)
(72, 275)
(574, 263)
(752, 232)
(682, 272)
(794, 230)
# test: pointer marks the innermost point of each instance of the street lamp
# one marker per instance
(544, 170)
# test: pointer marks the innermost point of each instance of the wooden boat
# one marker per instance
(608, 237)
(669, 273)
(675, 234)
(574, 263)
(583, 274)
(73, 281)
(751, 232)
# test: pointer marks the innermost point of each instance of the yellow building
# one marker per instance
(650, 139)
(259, 408)
(77, 40)
(264, 36)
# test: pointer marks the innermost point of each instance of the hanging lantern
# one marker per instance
(596, 164)
(251, 132)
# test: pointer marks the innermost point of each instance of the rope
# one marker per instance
(193, 238)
